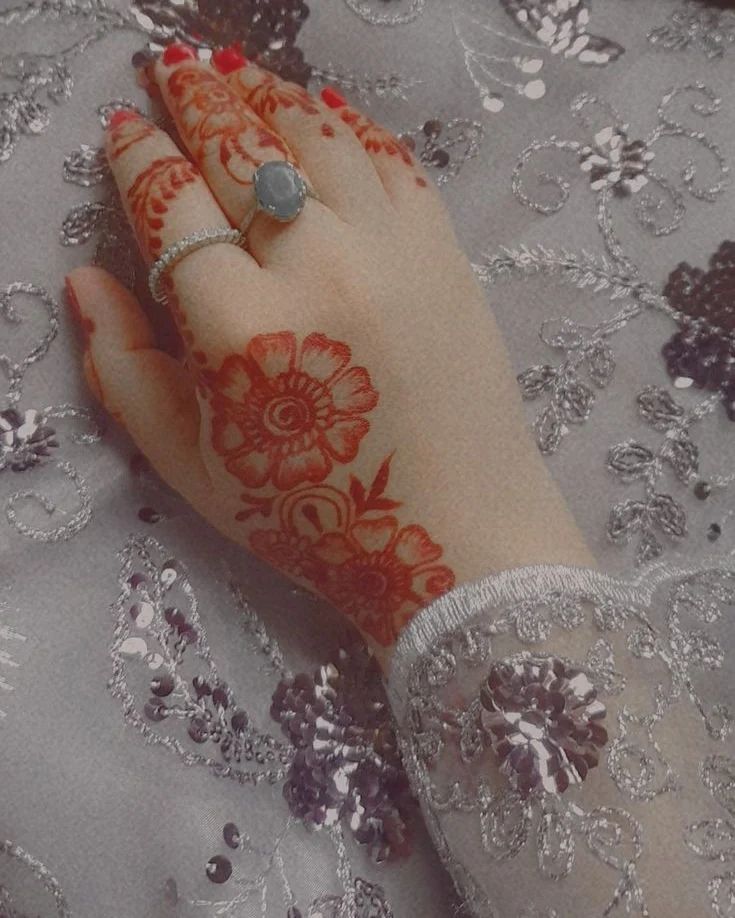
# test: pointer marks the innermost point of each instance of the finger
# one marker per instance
(147, 391)
(404, 179)
(166, 199)
(325, 146)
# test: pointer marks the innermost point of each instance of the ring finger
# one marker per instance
(229, 141)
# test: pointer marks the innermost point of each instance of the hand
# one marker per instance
(346, 408)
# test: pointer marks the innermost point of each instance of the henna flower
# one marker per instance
(380, 574)
(286, 414)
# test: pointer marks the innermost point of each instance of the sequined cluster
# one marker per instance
(25, 439)
(613, 161)
(347, 764)
(267, 31)
(543, 721)
(444, 147)
(702, 353)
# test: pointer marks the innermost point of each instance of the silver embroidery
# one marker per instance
(441, 657)
(30, 437)
(12, 904)
(8, 639)
(696, 25)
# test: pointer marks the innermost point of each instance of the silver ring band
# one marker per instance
(175, 252)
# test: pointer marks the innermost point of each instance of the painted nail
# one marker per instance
(86, 324)
(121, 116)
(175, 54)
(332, 98)
(227, 60)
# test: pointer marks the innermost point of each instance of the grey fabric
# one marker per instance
(114, 819)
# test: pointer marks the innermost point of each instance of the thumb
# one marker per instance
(143, 388)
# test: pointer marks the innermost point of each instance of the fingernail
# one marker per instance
(227, 60)
(332, 98)
(86, 324)
(175, 54)
(121, 116)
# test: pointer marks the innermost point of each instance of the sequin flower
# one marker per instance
(347, 764)
(613, 161)
(285, 414)
(703, 353)
(25, 439)
(542, 719)
(267, 30)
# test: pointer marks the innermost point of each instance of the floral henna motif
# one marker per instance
(272, 93)
(285, 414)
(212, 114)
(374, 570)
(150, 194)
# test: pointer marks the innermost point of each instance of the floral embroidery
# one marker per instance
(453, 695)
(702, 353)
(346, 761)
(267, 31)
(497, 62)
(7, 660)
(615, 162)
(28, 436)
(286, 413)
(714, 839)
(542, 722)
(338, 763)
(697, 24)
(445, 147)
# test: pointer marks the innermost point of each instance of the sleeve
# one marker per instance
(569, 738)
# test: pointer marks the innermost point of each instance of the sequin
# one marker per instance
(347, 764)
(542, 719)
(219, 869)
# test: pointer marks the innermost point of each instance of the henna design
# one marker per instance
(272, 93)
(373, 137)
(212, 113)
(284, 414)
(151, 192)
(125, 134)
(374, 570)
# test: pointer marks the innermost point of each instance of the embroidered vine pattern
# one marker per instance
(42, 880)
(699, 26)
(436, 725)
(28, 435)
(656, 513)
(9, 640)
(500, 64)
(171, 691)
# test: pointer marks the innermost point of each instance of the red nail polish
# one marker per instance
(121, 116)
(332, 98)
(86, 325)
(227, 60)
(175, 54)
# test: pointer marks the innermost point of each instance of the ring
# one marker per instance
(280, 192)
(174, 253)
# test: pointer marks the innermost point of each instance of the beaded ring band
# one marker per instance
(178, 250)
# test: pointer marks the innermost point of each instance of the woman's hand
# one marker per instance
(345, 409)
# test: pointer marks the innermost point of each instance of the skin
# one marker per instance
(346, 408)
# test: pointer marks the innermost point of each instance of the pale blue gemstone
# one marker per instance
(280, 190)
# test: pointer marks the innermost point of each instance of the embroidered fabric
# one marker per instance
(203, 740)
(506, 688)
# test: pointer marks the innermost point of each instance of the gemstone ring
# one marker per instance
(280, 192)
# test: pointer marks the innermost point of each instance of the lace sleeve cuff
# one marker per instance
(569, 738)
